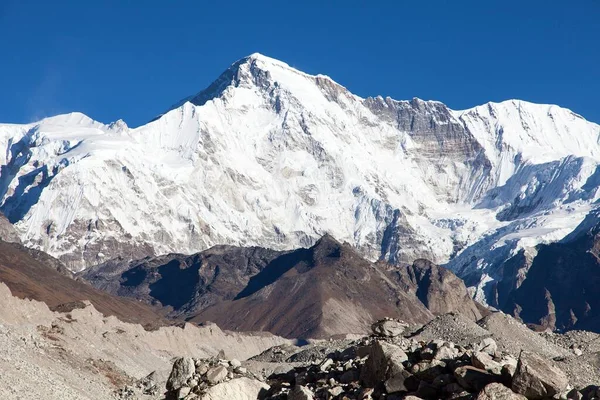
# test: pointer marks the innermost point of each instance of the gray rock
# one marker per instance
(7, 231)
(183, 369)
(235, 363)
(183, 392)
(389, 328)
(497, 391)
(395, 383)
(324, 366)
(236, 389)
(474, 379)
(385, 360)
(201, 368)
(216, 374)
(536, 377)
(300, 393)
(446, 352)
(428, 370)
(487, 345)
(484, 361)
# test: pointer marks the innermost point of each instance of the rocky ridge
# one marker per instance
(394, 363)
(314, 292)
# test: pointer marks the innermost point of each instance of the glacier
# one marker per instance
(268, 155)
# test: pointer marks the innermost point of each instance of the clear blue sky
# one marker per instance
(132, 59)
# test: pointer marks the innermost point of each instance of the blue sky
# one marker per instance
(132, 59)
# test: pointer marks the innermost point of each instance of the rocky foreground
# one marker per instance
(464, 361)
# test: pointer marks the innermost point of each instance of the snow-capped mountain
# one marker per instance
(270, 156)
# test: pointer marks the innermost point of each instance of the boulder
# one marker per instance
(216, 374)
(537, 378)
(389, 327)
(487, 345)
(237, 389)
(428, 370)
(385, 360)
(396, 383)
(474, 379)
(300, 393)
(446, 352)
(183, 369)
(497, 391)
(484, 361)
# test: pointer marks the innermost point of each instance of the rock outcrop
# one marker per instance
(391, 366)
(7, 231)
(320, 291)
(213, 379)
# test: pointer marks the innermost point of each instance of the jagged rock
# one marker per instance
(326, 364)
(182, 392)
(148, 384)
(536, 377)
(389, 327)
(385, 360)
(487, 345)
(484, 361)
(201, 368)
(497, 391)
(428, 370)
(183, 369)
(396, 383)
(301, 393)
(216, 374)
(446, 352)
(474, 379)
(7, 231)
(236, 389)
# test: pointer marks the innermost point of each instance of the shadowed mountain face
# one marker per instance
(437, 288)
(35, 275)
(324, 290)
(555, 286)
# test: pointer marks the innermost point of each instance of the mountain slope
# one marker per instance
(34, 276)
(270, 156)
(319, 291)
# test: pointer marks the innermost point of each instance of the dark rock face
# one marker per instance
(537, 378)
(324, 290)
(186, 284)
(555, 288)
(437, 288)
(318, 292)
